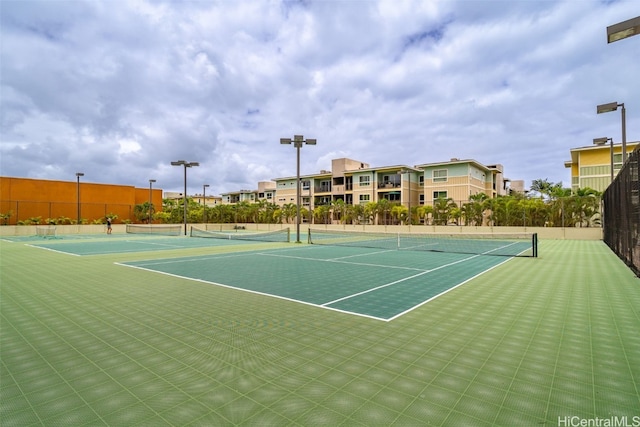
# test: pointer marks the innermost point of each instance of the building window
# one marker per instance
(365, 198)
(439, 195)
(440, 175)
(421, 180)
(306, 184)
(365, 181)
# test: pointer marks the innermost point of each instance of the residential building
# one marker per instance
(591, 165)
(207, 200)
(266, 191)
(232, 197)
(459, 179)
(355, 182)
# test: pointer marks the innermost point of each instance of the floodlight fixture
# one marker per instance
(603, 141)
(623, 30)
(613, 106)
(606, 108)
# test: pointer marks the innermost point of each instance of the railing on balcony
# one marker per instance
(322, 188)
(388, 185)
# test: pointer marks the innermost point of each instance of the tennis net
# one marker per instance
(161, 229)
(501, 244)
(266, 236)
(46, 231)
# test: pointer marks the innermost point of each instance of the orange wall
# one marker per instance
(27, 198)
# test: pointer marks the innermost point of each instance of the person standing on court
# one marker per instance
(108, 225)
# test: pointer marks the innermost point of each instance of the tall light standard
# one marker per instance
(603, 141)
(402, 172)
(613, 106)
(204, 202)
(184, 195)
(78, 175)
(298, 140)
(151, 181)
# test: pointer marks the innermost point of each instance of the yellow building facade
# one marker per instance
(591, 165)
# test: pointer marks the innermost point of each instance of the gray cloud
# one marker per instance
(120, 92)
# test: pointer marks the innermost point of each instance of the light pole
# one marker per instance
(402, 172)
(613, 106)
(184, 195)
(151, 181)
(603, 141)
(298, 140)
(622, 30)
(78, 175)
(204, 202)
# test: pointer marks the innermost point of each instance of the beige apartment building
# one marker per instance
(266, 191)
(355, 182)
(460, 179)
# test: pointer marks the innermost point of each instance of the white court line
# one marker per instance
(338, 261)
(156, 244)
(352, 313)
(52, 250)
(399, 281)
(446, 290)
(324, 305)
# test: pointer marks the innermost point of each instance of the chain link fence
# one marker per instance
(622, 213)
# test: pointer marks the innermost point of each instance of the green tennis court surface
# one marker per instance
(381, 284)
(130, 243)
(530, 342)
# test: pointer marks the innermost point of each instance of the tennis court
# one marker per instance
(129, 243)
(85, 341)
(382, 284)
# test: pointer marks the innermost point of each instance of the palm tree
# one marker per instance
(290, 210)
(456, 214)
(442, 210)
(384, 207)
(356, 213)
(424, 212)
(371, 212)
(472, 211)
(339, 210)
(321, 214)
(399, 213)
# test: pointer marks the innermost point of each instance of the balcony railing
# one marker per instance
(388, 184)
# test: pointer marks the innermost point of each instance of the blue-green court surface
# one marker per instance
(381, 284)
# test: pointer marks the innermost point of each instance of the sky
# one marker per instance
(118, 89)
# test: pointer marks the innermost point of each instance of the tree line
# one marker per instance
(546, 205)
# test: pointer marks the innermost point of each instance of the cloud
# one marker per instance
(121, 92)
